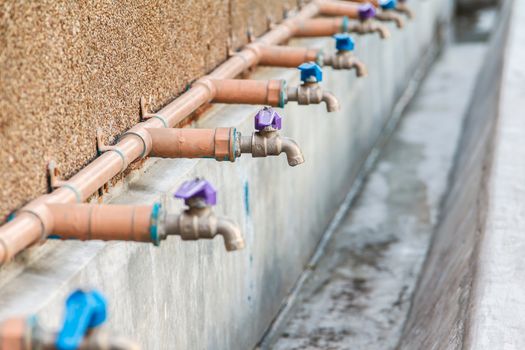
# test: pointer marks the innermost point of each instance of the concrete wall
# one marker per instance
(194, 295)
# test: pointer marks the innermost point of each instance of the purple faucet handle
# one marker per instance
(366, 11)
(268, 117)
(198, 188)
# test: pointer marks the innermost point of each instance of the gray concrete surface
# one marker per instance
(469, 294)
(194, 295)
(360, 292)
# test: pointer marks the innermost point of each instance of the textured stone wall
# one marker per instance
(69, 67)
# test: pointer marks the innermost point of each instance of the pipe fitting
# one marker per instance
(266, 141)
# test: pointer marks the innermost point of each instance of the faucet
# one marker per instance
(388, 12)
(366, 23)
(402, 7)
(198, 220)
(267, 141)
(142, 223)
(344, 57)
(85, 313)
(310, 91)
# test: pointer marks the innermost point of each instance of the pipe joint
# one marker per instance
(141, 132)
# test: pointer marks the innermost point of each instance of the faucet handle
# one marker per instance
(388, 4)
(344, 42)
(311, 72)
(267, 117)
(366, 11)
(84, 311)
(197, 188)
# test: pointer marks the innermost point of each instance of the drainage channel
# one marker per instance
(359, 293)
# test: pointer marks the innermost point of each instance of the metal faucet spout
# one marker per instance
(292, 150)
(332, 105)
(231, 234)
(390, 15)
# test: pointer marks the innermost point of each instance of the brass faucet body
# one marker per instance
(370, 26)
(199, 222)
(268, 142)
(346, 60)
(311, 93)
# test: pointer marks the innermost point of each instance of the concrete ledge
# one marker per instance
(194, 294)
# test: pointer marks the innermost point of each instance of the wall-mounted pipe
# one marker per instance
(27, 227)
(286, 56)
(226, 144)
(85, 313)
(320, 27)
(142, 223)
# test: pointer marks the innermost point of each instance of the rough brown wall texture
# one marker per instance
(70, 67)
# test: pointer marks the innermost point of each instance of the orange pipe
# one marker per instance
(27, 227)
(318, 27)
(193, 143)
(338, 8)
(373, 2)
(249, 92)
(14, 335)
(285, 56)
(103, 222)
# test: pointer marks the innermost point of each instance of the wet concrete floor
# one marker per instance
(360, 292)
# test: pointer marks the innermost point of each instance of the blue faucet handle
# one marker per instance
(84, 311)
(388, 4)
(197, 188)
(311, 72)
(344, 42)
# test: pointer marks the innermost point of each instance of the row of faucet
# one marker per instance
(153, 223)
